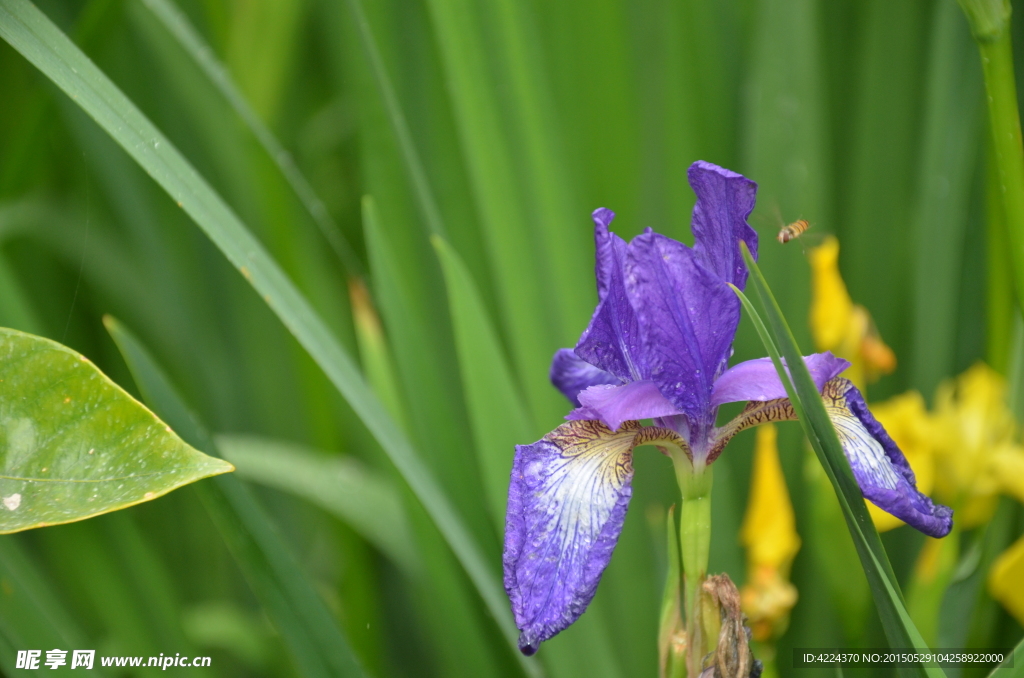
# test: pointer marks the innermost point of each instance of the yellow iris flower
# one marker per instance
(841, 326)
(769, 535)
(977, 458)
(976, 455)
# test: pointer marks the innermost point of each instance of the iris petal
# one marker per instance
(636, 400)
(882, 472)
(611, 341)
(879, 466)
(566, 504)
(757, 379)
(724, 201)
(687, 316)
(570, 374)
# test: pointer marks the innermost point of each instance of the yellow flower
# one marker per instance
(1005, 577)
(977, 458)
(839, 325)
(976, 455)
(769, 535)
(911, 427)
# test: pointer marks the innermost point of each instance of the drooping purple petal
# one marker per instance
(570, 374)
(724, 201)
(879, 466)
(635, 400)
(611, 341)
(687, 317)
(757, 379)
(567, 501)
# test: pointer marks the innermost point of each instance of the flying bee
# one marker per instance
(793, 231)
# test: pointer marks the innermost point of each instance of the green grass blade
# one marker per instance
(899, 628)
(343, 486)
(177, 24)
(318, 647)
(42, 43)
(881, 144)
(536, 132)
(32, 614)
(946, 178)
(499, 419)
(1016, 658)
(425, 202)
(533, 309)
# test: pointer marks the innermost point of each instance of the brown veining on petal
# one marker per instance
(662, 438)
(755, 413)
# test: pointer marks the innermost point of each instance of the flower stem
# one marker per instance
(989, 21)
(695, 543)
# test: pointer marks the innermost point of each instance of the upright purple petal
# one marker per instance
(724, 201)
(757, 379)
(567, 501)
(879, 466)
(687, 317)
(635, 400)
(612, 340)
(570, 374)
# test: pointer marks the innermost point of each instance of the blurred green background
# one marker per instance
(497, 126)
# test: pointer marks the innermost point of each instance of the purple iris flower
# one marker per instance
(657, 347)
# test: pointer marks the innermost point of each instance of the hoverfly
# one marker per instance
(793, 231)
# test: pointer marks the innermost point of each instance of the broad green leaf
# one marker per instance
(500, 420)
(74, 444)
(899, 628)
(344, 486)
(35, 37)
(276, 578)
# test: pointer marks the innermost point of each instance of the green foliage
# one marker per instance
(275, 577)
(74, 445)
(344, 487)
(404, 187)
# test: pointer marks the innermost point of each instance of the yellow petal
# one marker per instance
(769, 526)
(831, 306)
(972, 425)
(1005, 577)
(1007, 470)
(767, 599)
(839, 325)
